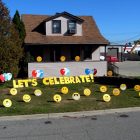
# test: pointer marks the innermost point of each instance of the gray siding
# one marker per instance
(63, 27)
(76, 68)
(96, 55)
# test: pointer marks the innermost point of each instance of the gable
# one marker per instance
(64, 14)
(64, 20)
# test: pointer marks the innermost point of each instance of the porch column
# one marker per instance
(105, 53)
(54, 58)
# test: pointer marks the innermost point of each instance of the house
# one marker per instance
(62, 34)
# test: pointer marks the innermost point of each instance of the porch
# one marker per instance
(52, 53)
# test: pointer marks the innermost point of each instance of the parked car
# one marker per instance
(112, 59)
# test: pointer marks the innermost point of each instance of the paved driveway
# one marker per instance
(129, 68)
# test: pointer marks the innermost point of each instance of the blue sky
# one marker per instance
(118, 20)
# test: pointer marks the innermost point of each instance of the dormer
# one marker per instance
(63, 24)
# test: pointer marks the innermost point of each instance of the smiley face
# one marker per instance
(109, 73)
(62, 58)
(38, 92)
(106, 97)
(57, 98)
(13, 91)
(103, 89)
(116, 92)
(77, 58)
(7, 103)
(76, 96)
(87, 92)
(64, 90)
(137, 87)
(26, 98)
(39, 59)
(123, 86)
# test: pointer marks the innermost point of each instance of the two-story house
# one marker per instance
(63, 34)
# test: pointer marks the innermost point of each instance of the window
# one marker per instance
(72, 26)
(56, 26)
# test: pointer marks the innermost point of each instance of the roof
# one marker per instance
(64, 14)
(34, 24)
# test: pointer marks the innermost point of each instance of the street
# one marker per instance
(116, 126)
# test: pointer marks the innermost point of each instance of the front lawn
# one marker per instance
(45, 103)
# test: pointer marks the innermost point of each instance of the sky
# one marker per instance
(118, 20)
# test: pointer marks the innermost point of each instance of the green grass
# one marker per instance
(45, 103)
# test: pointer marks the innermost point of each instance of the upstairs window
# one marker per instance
(71, 26)
(56, 26)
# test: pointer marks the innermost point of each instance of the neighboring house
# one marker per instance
(63, 34)
(114, 51)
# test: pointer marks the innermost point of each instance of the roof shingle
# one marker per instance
(91, 33)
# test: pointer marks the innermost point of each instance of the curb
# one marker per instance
(69, 114)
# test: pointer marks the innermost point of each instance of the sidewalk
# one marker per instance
(69, 114)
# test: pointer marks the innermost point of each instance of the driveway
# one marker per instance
(129, 68)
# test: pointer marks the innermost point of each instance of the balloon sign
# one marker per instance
(37, 74)
(94, 71)
(89, 71)
(2, 78)
(65, 72)
(7, 76)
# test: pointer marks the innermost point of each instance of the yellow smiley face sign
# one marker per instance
(62, 58)
(139, 94)
(77, 58)
(26, 98)
(39, 59)
(38, 92)
(13, 91)
(123, 87)
(87, 92)
(64, 90)
(109, 73)
(116, 92)
(7, 103)
(103, 89)
(137, 87)
(76, 96)
(57, 98)
(106, 97)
